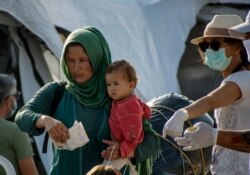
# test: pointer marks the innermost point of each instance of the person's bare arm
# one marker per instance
(224, 95)
(235, 140)
(27, 166)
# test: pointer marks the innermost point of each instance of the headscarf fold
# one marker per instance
(92, 93)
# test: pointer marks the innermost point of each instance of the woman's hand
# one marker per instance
(202, 136)
(113, 148)
(56, 129)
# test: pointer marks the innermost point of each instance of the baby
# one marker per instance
(127, 109)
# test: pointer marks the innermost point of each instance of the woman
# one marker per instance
(84, 60)
(225, 53)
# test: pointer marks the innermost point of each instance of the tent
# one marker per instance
(139, 31)
(29, 41)
(152, 34)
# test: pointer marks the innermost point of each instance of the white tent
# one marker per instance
(31, 42)
(151, 34)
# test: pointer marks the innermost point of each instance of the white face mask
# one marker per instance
(247, 46)
(217, 60)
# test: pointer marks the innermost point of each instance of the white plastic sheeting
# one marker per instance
(150, 34)
(32, 15)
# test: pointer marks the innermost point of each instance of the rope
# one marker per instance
(182, 153)
(126, 166)
(113, 147)
(124, 172)
(178, 147)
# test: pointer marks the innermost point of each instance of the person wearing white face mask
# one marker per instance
(15, 145)
(225, 53)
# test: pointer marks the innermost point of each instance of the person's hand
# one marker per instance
(113, 148)
(56, 129)
(202, 135)
(174, 125)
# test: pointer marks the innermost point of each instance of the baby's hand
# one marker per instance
(113, 150)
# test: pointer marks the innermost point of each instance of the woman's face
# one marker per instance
(78, 64)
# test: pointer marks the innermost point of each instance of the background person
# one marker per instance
(127, 111)
(84, 60)
(15, 145)
(225, 53)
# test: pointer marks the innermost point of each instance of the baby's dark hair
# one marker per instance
(103, 170)
(125, 67)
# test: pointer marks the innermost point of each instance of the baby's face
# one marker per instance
(118, 85)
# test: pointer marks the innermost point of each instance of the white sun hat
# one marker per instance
(219, 27)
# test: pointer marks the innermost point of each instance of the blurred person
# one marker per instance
(225, 53)
(15, 145)
(84, 60)
(127, 111)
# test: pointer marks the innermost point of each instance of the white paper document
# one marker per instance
(78, 137)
